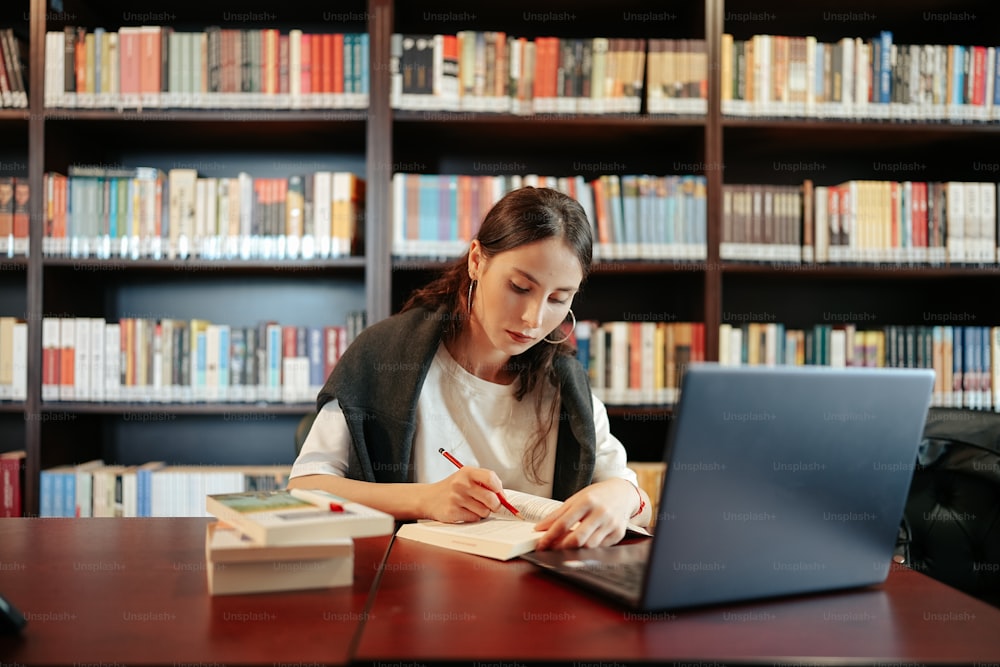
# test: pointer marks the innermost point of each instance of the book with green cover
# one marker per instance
(297, 516)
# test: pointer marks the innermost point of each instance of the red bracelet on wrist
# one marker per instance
(642, 502)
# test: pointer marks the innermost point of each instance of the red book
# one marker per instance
(337, 60)
(305, 55)
(6, 208)
(11, 483)
(22, 195)
(289, 338)
(327, 56)
(331, 347)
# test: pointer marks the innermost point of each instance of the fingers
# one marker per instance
(466, 495)
(580, 525)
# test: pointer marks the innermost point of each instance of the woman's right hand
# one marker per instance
(469, 494)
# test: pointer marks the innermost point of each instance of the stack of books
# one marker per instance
(283, 540)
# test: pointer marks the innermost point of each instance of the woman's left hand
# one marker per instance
(592, 517)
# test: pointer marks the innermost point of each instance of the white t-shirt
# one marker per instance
(480, 423)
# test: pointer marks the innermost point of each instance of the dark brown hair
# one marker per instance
(522, 216)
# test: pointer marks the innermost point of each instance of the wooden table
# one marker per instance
(435, 604)
(134, 591)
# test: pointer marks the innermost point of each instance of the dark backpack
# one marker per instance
(951, 525)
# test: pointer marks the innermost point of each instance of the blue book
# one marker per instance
(316, 350)
(364, 63)
(670, 235)
(113, 184)
(630, 209)
(98, 65)
(996, 77)
(201, 364)
(885, 67)
(958, 75)
(45, 493)
(428, 227)
(969, 370)
(957, 364)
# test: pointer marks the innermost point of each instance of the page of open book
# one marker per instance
(535, 508)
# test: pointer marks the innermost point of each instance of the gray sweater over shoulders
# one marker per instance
(377, 382)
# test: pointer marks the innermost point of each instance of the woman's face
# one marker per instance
(523, 294)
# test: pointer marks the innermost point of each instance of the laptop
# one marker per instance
(779, 481)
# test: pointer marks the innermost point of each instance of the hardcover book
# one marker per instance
(235, 564)
(297, 516)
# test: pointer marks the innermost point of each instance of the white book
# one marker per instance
(55, 44)
(322, 212)
(112, 366)
(399, 245)
(97, 358)
(838, 348)
(19, 390)
(236, 565)
(955, 215)
(81, 359)
(988, 222)
(618, 380)
(182, 209)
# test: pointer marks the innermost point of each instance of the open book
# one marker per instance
(501, 535)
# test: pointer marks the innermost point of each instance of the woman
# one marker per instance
(476, 363)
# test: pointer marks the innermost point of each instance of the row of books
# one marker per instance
(153, 66)
(15, 197)
(492, 71)
(144, 212)
(13, 73)
(862, 221)
(182, 361)
(640, 361)
(97, 489)
(966, 359)
(633, 216)
(858, 78)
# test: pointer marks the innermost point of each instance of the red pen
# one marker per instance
(503, 501)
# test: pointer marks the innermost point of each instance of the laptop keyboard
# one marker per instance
(626, 576)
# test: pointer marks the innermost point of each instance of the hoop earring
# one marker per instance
(472, 285)
(567, 336)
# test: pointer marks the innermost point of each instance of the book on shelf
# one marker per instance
(642, 361)
(501, 535)
(677, 77)
(963, 357)
(295, 516)
(161, 67)
(178, 361)
(237, 565)
(13, 70)
(12, 483)
(495, 72)
(99, 489)
(859, 78)
(862, 221)
(142, 212)
(633, 216)
(13, 359)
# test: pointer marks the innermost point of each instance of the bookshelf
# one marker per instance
(377, 141)
(13, 270)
